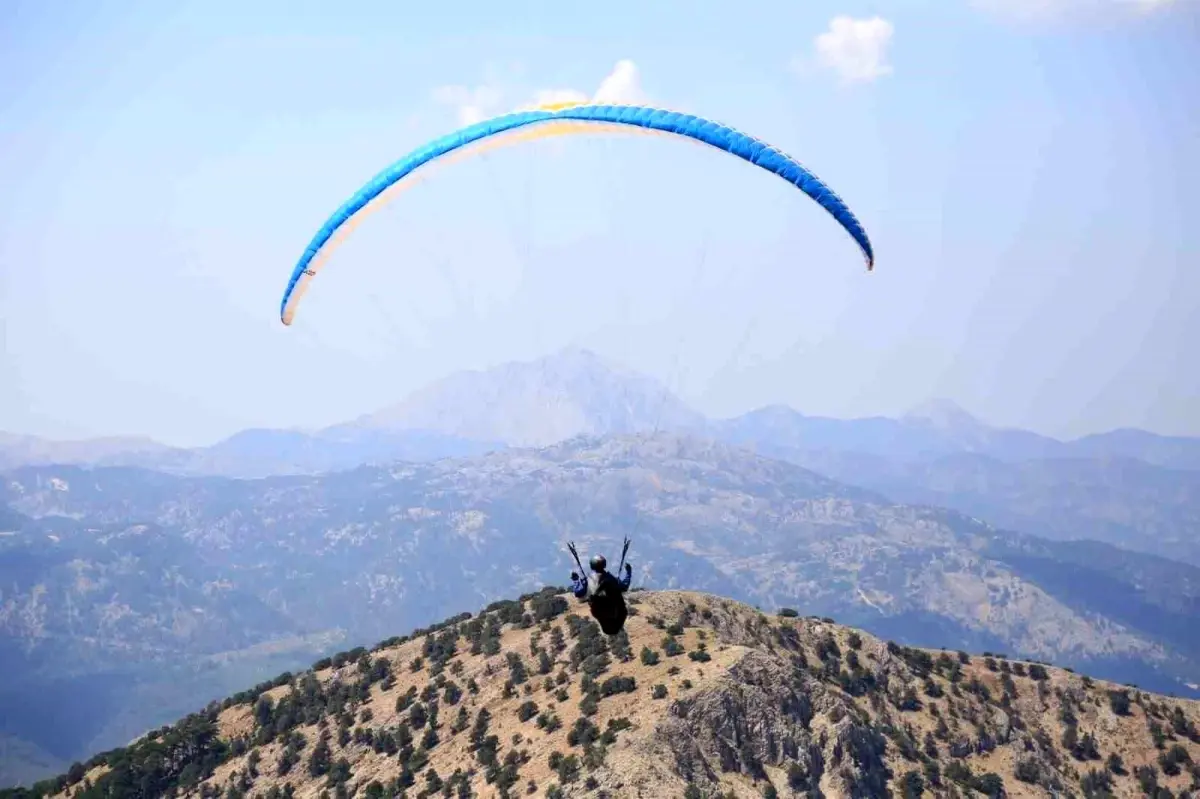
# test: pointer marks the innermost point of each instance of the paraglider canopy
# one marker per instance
(561, 119)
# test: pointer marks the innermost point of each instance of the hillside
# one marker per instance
(249, 453)
(366, 549)
(133, 593)
(373, 547)
(700, 696)
(23, 450)
(1121, 501)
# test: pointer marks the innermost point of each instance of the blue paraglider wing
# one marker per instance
(636, 117)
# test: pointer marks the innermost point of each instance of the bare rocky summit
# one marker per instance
(700, 697)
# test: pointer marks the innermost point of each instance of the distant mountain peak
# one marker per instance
(943, 413)
(575, 391)
(538, 402)
(777, 410)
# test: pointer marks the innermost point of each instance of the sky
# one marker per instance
(1025, 170)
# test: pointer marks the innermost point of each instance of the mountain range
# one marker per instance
(139, 580)
(1131, 488)
(130, 594)
(577, 392)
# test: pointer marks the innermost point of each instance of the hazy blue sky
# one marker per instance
(1029, 182)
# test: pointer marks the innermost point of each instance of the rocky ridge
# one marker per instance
(701, 696)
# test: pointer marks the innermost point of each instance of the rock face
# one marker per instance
(756, 715)
(699, 696)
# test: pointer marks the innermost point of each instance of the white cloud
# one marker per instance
(473, 104)
(622, 85)
(856, 49)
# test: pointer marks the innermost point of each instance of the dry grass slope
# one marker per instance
(700, 697)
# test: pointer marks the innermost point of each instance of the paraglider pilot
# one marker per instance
(603, 591)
